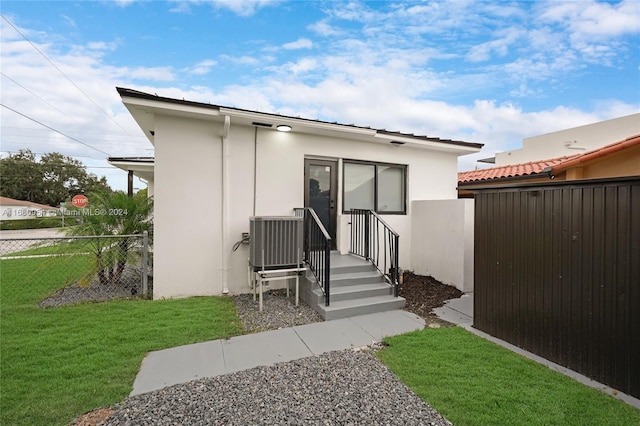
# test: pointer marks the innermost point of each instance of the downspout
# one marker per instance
(255, 169)
(225, 204)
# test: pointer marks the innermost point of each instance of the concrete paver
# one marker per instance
(268, 348)
(172, 369)
(333, 335)
(209, 359)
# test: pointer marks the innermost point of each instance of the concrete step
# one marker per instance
(355, 278)
(357, 288)
(351, 264)
(351, 292)
(367, 305)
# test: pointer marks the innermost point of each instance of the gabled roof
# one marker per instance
(253, 117)
(544, 168)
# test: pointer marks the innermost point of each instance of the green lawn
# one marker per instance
(58, 247)
(61, 362)
(474, 382)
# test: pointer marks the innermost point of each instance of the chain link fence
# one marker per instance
(71, 270)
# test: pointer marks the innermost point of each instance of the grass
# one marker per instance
(57, 247)
(474, 382)
(62, 362)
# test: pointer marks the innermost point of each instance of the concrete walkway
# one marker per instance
(457, 311)
(209, 359)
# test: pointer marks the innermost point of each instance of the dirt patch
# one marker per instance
(423, 294)
(94, 418)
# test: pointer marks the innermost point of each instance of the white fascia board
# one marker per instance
(169, 107)
(298, 124)
(439, 146)
(133, 165)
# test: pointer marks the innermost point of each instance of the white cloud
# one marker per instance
(202, 67)
(370, 68)
(500, 45)
(301, 43)
(89, 109)
(70, 22)
(324, 29)
(243, 8)
(588, 20)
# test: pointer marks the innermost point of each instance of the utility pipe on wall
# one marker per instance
(225, 204)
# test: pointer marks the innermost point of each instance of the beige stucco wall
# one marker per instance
(572, 141)
(442, 244)
(188, 249)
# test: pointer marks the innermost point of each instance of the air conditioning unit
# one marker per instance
(276, 242)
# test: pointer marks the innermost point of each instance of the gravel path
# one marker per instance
(349, 387)
(338, 388)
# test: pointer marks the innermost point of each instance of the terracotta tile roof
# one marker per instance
(6, 201)
(544, 167)
(509, 171)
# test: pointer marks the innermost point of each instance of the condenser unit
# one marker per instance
(276, 242)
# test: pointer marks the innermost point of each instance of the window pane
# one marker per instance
(359, 186)
(390, 189)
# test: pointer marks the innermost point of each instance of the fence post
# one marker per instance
(145, 261)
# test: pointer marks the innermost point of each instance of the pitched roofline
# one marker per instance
(627, 143)
(142, 160)
(386, 134)
(557, 166)
(23, 203)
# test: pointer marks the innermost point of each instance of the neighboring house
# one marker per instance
(11, 209)
(215, 167)
(141, 167)
(568, 142)
(618, 159)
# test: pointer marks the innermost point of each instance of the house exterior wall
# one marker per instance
(187, 213)
(589, 137)
(442, 243)
(188, 195)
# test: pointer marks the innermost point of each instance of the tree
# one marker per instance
(21, 177)
(114, 213)
(53, 179)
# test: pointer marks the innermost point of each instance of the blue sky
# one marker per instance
(489, 72)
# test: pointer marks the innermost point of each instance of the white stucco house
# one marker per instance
(571, 141)
(215, 167)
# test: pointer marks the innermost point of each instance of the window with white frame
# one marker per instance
(374, 186)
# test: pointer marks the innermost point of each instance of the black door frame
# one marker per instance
(333, 193)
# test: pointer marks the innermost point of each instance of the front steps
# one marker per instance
(357, 288)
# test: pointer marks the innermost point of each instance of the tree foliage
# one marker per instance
(52, 179)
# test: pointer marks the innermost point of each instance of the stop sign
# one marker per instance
(80, 201)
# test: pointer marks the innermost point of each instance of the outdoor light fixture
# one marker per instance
(283, 128)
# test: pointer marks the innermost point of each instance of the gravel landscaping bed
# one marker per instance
(278, 311)
(343, 387)
(129, 286)
(349, 387)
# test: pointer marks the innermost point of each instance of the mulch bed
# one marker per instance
(424, 293)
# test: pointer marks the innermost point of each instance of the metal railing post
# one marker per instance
(367, 234)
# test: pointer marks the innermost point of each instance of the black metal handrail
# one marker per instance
(373, 239)
(317, 249)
